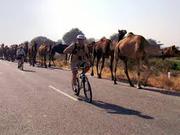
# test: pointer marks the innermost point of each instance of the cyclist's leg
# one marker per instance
(74, 69)
(87, 68)
(74, 75)
(22, 62)
(18, 59)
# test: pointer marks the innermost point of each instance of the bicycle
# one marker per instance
(83, 82)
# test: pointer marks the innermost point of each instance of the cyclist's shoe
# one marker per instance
(75, 88)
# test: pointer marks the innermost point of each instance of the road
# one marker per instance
(40, 101)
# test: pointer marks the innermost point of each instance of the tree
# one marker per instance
(114, 37)
(90, 40)
(40, 40)
(154, 42)
(70, 36)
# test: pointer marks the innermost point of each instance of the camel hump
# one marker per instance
(103, 39)
(130, 34)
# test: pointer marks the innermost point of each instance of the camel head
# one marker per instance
(102, 39)
(121, 34)
(2, 45)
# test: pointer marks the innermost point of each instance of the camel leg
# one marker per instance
(33, 60)
(111, 66)
(115, 69)
(50, 57)
(138, 73)
(30, 61)
(53, 62)
(126, 72)
(97, 65)
(92, 68)
(41, 62)
(45, 61)
(102, 66)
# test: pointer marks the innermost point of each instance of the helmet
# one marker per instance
(80, 36)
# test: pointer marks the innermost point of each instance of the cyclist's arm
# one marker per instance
(69, 49)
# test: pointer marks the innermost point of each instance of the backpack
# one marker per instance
(74, 52)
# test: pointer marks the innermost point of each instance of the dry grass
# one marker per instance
(161, 81)
(61, 64)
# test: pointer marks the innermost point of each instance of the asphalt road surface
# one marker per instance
(40, 101)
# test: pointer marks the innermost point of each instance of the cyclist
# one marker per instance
(79, 55)
(20, 56)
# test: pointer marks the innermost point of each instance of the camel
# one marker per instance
(134, 47)
(104, 48)
(59, 48)
(32, 52)
(43, 51)
(101, 50)
(25, 46)
(2, 51)
(12, 52)
(6, 53)
(171, 51)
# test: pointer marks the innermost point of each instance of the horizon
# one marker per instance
(22, 20)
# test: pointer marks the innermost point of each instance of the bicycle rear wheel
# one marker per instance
(87, 90)
(76, 89)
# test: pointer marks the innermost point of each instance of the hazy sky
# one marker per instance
(22, 20)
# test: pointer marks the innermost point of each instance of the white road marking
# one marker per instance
(65, 94)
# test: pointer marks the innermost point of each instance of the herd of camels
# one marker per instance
(129, 46)
(134, 47)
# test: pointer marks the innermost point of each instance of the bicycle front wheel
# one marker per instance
(87, 90)
(76, 88)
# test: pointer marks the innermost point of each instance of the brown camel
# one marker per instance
(32, 52)
(104, 48)
(101, 50)
(134, 47)
(43, 52)
(171, 51)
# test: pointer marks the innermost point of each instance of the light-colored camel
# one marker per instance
(43, 52)
(134, 47)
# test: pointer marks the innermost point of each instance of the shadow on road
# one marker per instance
(30, 71)
(115, 109)
(52, 68)
(171, 93)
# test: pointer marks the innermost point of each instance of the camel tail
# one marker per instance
(142, 47)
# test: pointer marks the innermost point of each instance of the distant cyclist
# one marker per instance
(79, 55)
(20, 56)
